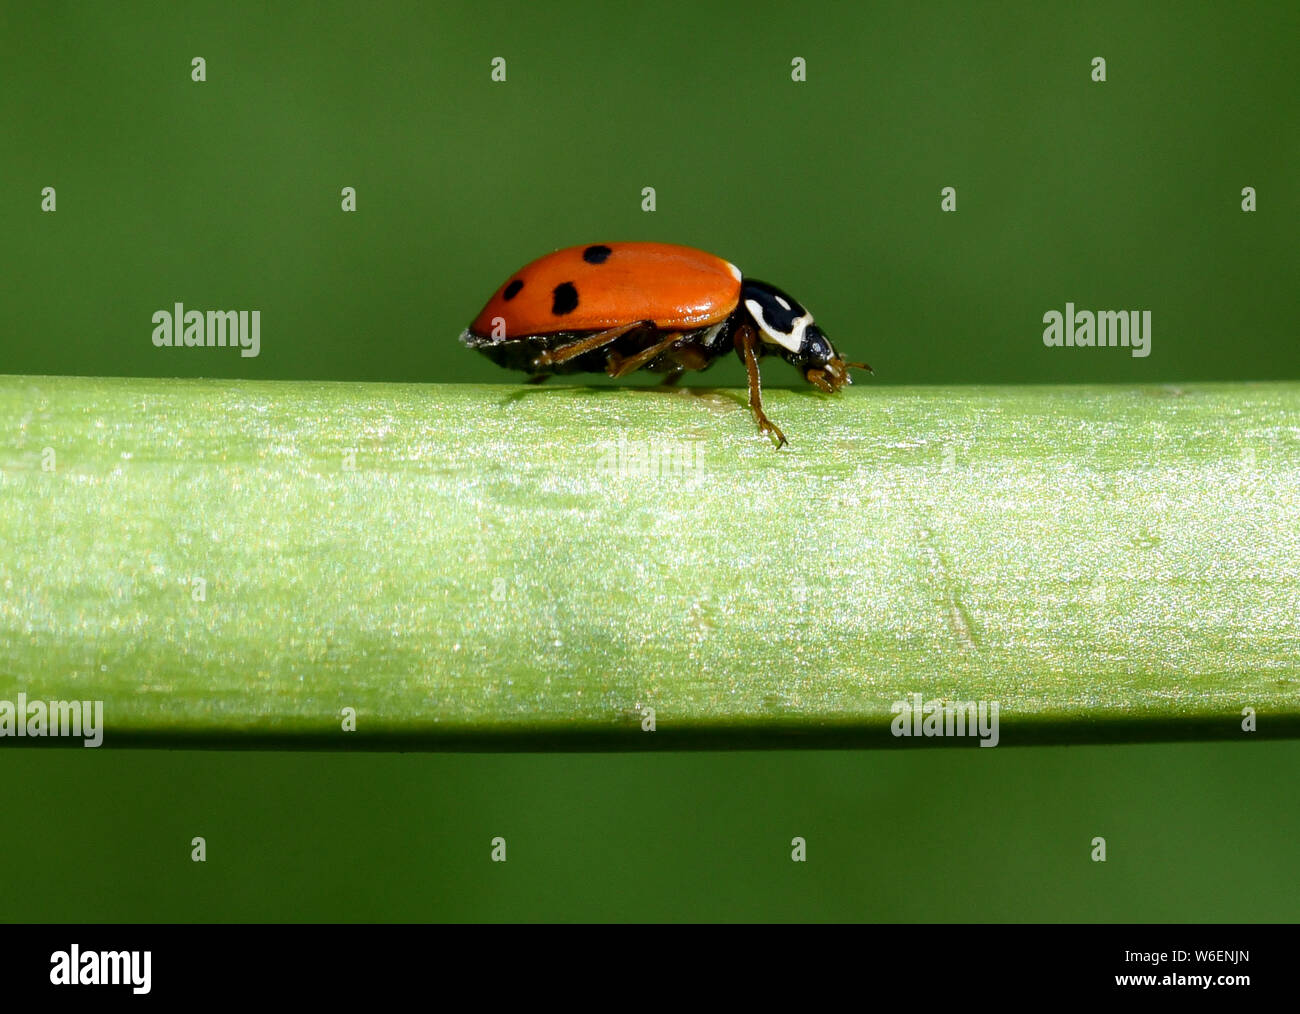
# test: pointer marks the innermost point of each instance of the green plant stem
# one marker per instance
(501, 567)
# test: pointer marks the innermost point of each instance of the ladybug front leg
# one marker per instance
(563, 353)
(746, 343)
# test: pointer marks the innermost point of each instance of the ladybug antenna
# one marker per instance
(860, 366)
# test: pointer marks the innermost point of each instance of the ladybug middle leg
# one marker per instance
(679, 360)
(745, 345)
(563, 353)
(619, 366)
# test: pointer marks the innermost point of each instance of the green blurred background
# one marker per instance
(226, 194)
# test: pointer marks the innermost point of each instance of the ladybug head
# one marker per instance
(788, 330)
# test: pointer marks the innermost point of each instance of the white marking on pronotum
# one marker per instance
(784, 304)
(792, 341)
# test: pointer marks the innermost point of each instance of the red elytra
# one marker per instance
(618, 308)
(584, 288)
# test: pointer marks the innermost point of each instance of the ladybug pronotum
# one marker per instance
(620, 307)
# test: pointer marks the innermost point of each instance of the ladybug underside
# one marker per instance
(632, 347)
(687, 350)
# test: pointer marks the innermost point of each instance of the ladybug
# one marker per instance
(620, 307)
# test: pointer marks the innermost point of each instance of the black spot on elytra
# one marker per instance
(596, 254)
(566, 299)
(512, 290)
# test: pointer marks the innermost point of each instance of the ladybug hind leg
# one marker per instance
(588, 343)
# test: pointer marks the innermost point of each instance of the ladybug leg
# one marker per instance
(563, 353)
(745, 342)
(689, 358)
(686, 357)
(621, 367)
